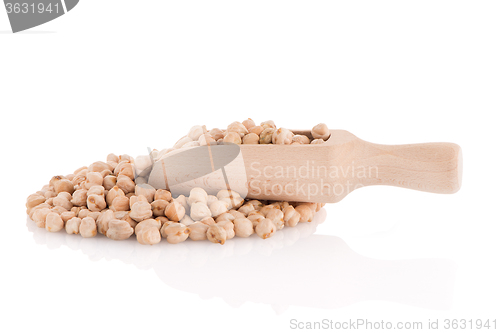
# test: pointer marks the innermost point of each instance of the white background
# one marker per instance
(121, 76)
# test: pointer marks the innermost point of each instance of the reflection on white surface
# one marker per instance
(294, 267)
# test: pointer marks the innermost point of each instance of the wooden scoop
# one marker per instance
(329, 171)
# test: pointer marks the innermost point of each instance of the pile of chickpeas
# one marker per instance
(114, 199)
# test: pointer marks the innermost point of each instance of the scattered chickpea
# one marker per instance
(265, 228)
(255, 219)
(40, 215)
(317, 141)
(195, 132)
(34, 200)
(216, 234)
(119, 230)
(301, 139)
(266, 136)
(232, 137)
(320, 131)
(290, 216)
(66, 216)
(146, 190)
(282, 136)
(79, 198)
(126, 184)
(243, 227)
(199, 211)
(96, 189)
(246, 209)
(198, 231)
(256, 130)
(98, 167)
(175, 211)
(251, 139)
(186, 220)
(64, 185)
(73, 225)
(238, 128)
(53, 222)
(120, 203)
(229, 227)
(248, 123)
(306, 213)
(96, 203)
(140, 211)
(88, 227)
(216, 134)
(175, 232)
(102, 222)
(276, 216)
(208, 221)
(268, 124)
(62, 200)
(158, 207)
(163, 195)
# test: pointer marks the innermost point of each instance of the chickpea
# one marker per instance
(306, 214)
(225, 216)
(282, 136)
(233, 202)
(317, 141)
(40, 215)
(162, 219)
(158, 207)
(182, 141)
(175, 211)
(58, 209)
(266, 136)
(195, 132)
(62, 201)
(98, 167)
(216, 234)
(79, 198)
(96, 203)
(186, 220)
(183, 201)
(268, 124)
(246, 209)
(243, 227)
(163, 195)
(64, 185)
(276, 216)
(140, 211)
(119, 230)
(265, 228)
(126, 184)
(251, 139)
(238, 128)
(102, 223)
(175, 232)
(109, 182)
(34, 200)
(93, 178)
(149, 236)
(137, 198)
(197, 194)
(199, 211)
(206, 139)
(148, 232)
(198, 231)
(232, 137)
(216, 134)
(49, 194)
(211, 199)
(208, 221)
(255, 219)
(66, 216)
(236, 214)
(88, 227)
(53, 222)
(146, 190)
(301, 139)
(256, 204)
(73, 225)
(218, 207)
(290, 216)
(320, 131)
(256, 129)
(229, 227)
(248, 123)
(96, 189)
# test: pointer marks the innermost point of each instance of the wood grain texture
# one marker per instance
(328, 172)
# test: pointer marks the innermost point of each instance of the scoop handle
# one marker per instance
(431, 167)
